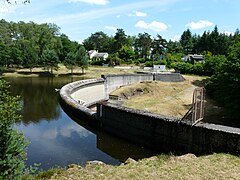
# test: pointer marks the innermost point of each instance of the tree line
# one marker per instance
(32, 45)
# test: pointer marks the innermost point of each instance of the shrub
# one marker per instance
(12, 143)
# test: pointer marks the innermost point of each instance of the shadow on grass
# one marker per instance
(200, 83)
(72, 74)
(40, 74)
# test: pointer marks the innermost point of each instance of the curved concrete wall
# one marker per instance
(151, 130)
(114, 81)
(81, 94)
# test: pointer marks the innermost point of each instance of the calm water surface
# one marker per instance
(55, 138)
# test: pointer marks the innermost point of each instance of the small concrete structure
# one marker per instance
(159, 67)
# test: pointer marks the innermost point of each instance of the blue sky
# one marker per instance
(78, 19)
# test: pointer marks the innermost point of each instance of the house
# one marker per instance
(193, 57)
(93, 54)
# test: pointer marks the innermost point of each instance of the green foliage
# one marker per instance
(50, 59)
(120, 39)
(98, 62)
(224, 85)
(186, 41)
(70, 61)
(172, 58)
(148, 63)
(113, 60)
(82, 58)
(184, 68)
(12, 143)
(212, 64)
(143, 45)
(97, 41)
(126, 54)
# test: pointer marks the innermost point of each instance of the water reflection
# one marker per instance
(57, 140)
(115, 147)
(39, 99)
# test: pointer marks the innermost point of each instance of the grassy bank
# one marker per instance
(91, 72)
(216, 166)
(168, 98)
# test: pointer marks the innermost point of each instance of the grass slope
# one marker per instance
(216, 166)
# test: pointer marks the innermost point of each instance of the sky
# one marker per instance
(78, 19)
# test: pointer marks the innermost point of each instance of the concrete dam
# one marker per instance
(158, 132)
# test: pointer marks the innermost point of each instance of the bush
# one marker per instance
(98, 63)
(148, 63)
(198, 69)
(12, 143)
(183, 68)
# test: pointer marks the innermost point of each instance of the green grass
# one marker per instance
(215, 166)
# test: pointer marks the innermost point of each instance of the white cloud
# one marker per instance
(155, 25)
(118, 16)
(200, 24)
(138, 14)
(97, 2)
(111, 28)
(67, 131)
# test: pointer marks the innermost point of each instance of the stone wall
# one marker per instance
(165, 133)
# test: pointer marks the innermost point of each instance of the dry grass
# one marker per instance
(167, 98)
(216, 166)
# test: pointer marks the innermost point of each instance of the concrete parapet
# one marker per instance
(81, 94)
(114, 81)
(167, 133)
(168, 77)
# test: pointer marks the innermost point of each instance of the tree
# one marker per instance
(81, 58)
(159, 46)
(12, 143)
(67, 47)
(174, 47)
(97, 41)
(143, 45)
(70, 61)
(186, 41)
(224, 86)
(127, 54)
(120, 39)
(50, 59)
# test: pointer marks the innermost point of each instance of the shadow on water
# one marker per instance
(117, 148)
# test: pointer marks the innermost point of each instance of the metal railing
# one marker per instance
(196, 112)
